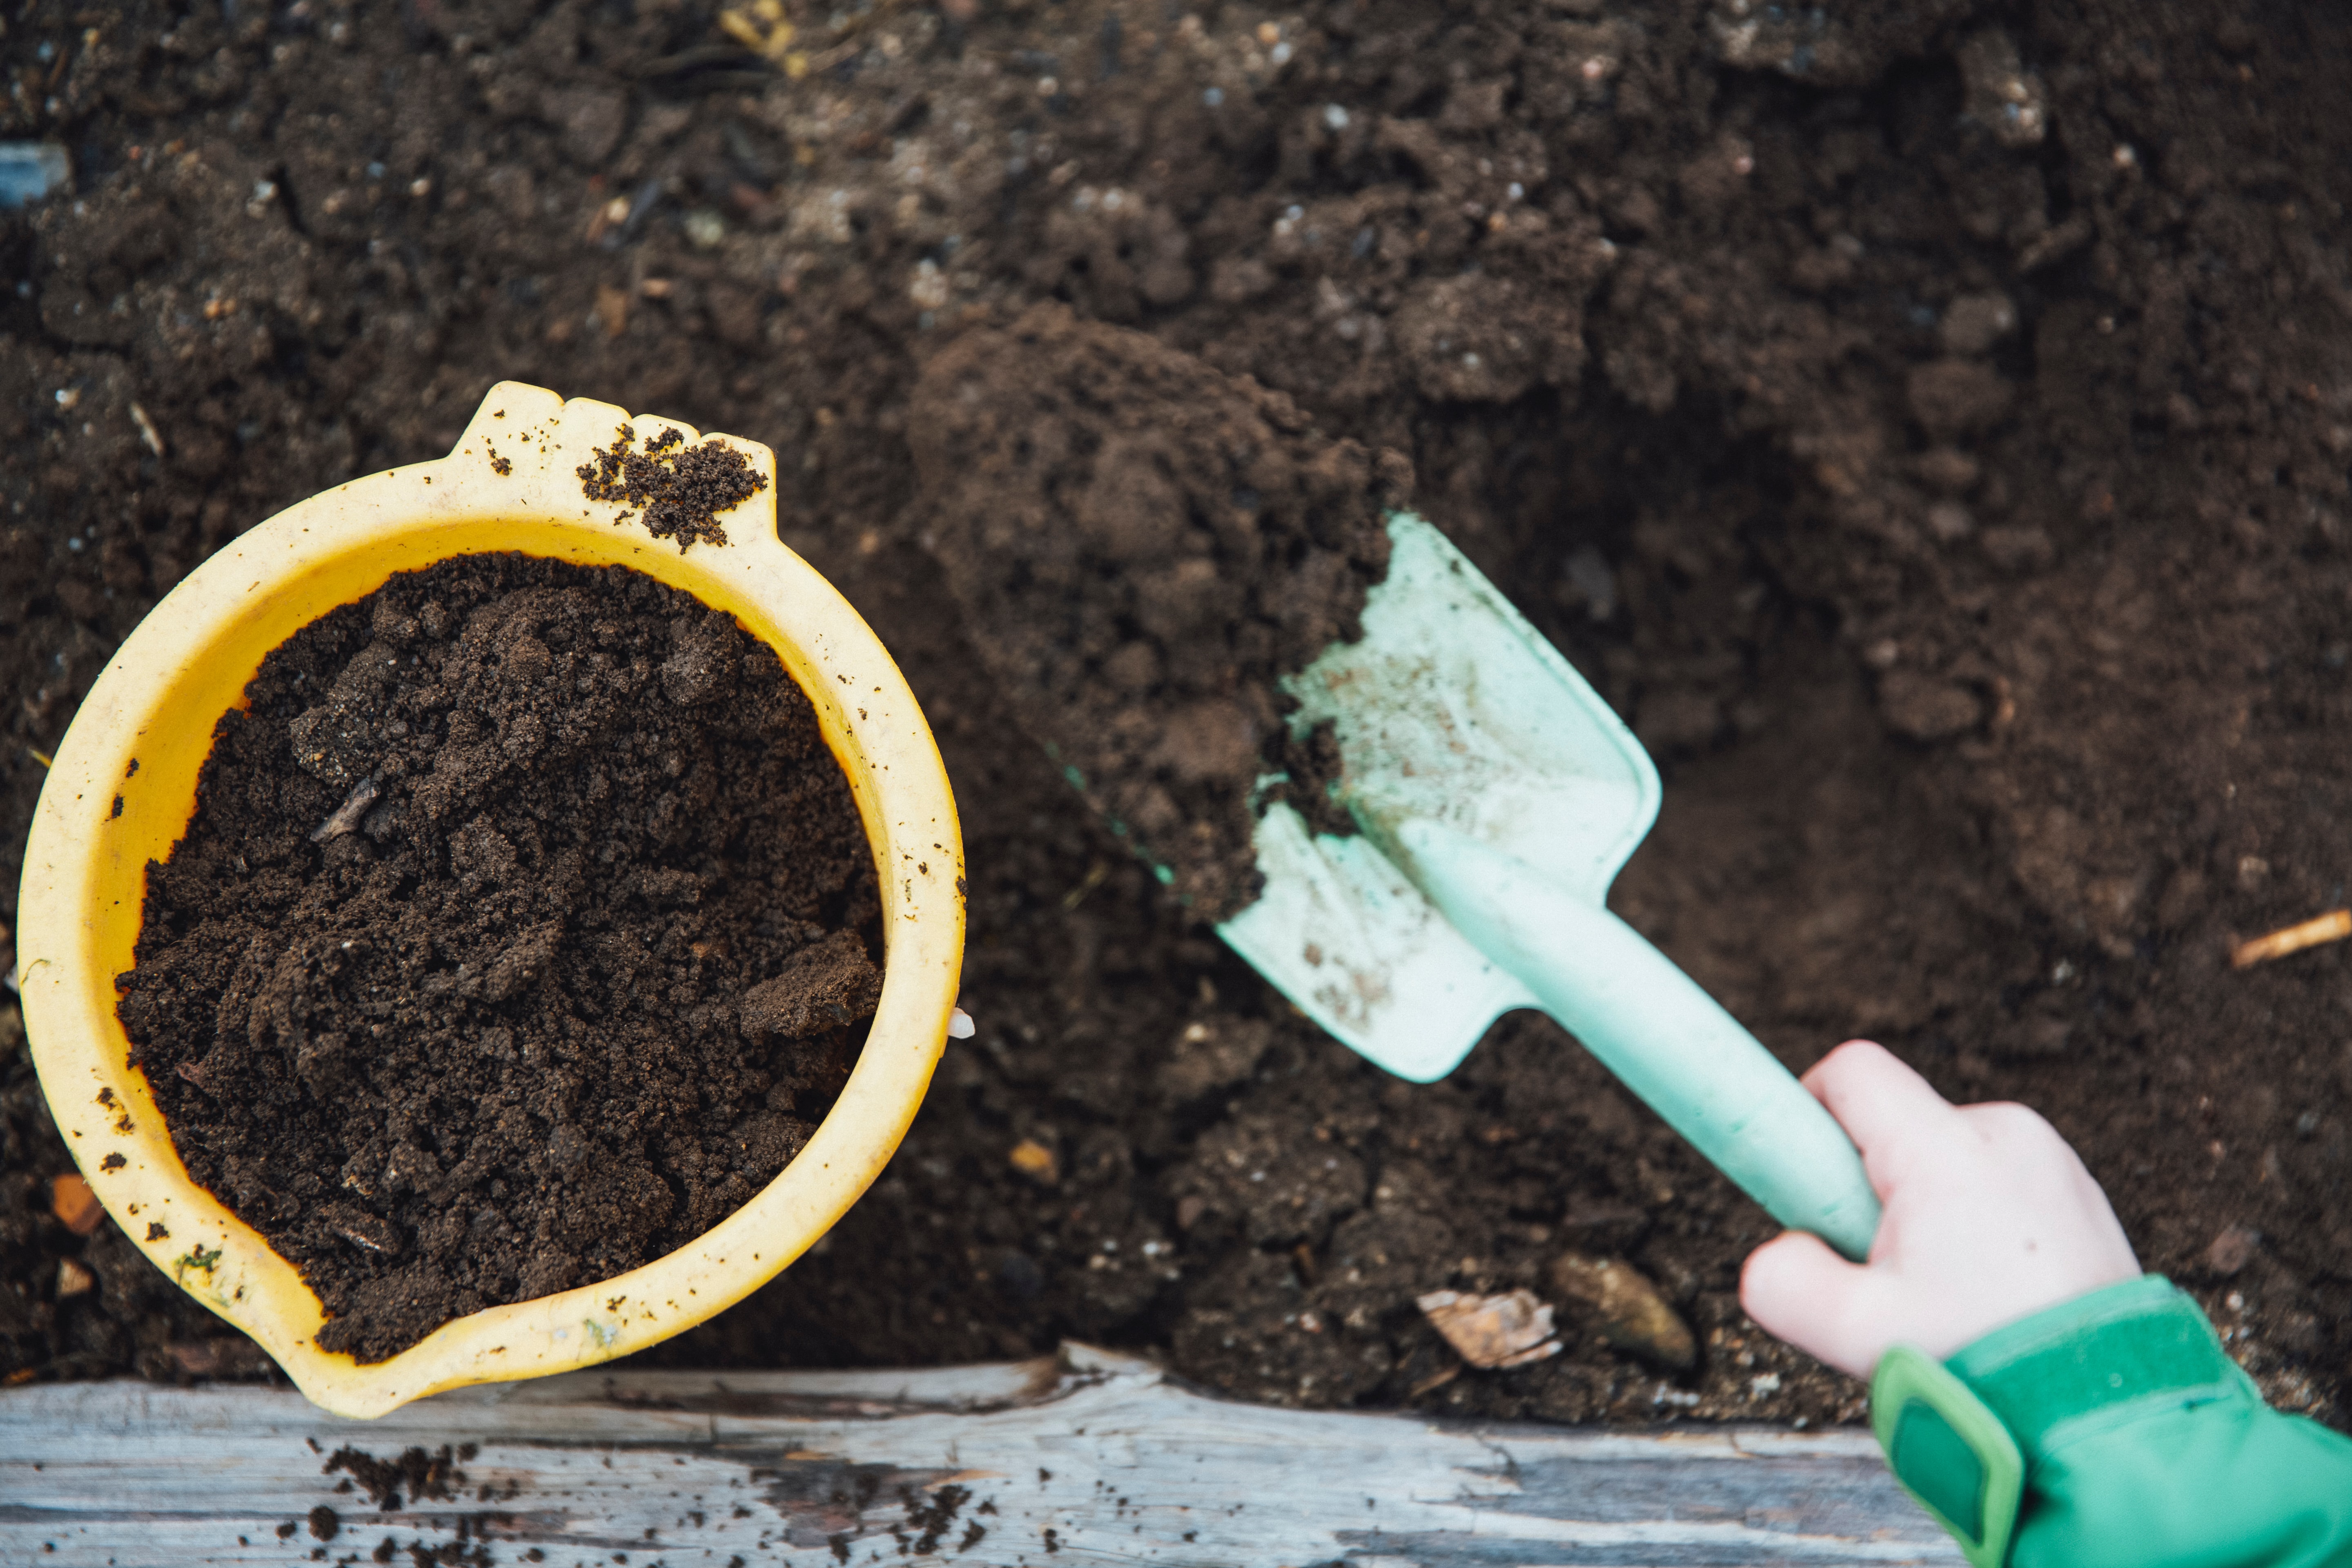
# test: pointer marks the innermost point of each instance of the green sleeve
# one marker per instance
(2145, 1446)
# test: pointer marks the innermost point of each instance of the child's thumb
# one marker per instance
(1799, 1290)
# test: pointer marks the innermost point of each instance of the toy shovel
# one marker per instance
(1497, 796)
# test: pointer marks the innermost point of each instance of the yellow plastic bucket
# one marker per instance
(123, 789)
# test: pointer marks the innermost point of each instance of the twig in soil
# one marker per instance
(1096, 873)
(2333, 926)
(363, 1230)
(696, 58)
(40, 756)
(1434, 1381)
(147, 432)
(347, 815)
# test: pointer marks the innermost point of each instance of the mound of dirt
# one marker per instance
(1143, 548)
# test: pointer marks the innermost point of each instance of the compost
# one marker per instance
(523, 931)
(1927, 423)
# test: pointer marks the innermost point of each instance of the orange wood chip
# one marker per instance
(71, 1201)
(1509, 1330)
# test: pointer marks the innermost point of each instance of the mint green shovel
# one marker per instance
(1497, 796)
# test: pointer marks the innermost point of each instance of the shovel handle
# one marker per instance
(1667, 1040)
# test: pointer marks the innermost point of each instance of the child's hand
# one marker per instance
(1989, 1217)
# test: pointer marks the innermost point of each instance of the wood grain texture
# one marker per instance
(1084, 1459)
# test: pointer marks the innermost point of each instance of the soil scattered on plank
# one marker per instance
(524, 930)
(1143, 547)
(414, 1475)
(1960, 517)
(410, 1479)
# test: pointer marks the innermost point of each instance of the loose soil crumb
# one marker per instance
(523, 931)
(682, 489)
(1143, 547)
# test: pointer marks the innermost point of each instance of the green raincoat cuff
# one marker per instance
(2080, 1359)
(1960, 1434)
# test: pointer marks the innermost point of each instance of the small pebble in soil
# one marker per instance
(1627, 1312)
(2231, 1250)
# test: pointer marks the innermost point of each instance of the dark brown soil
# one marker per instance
(1954, 499)
(523, 931)
(680, 488)
(1142, 547)
(414, 1476)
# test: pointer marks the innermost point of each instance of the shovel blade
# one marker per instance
(1451, 709)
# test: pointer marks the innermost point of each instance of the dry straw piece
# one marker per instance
(2317, 932)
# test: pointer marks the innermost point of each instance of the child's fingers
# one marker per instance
(1799, 1290)
(1894, 1116)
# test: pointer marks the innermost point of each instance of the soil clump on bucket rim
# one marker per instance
(680, 487)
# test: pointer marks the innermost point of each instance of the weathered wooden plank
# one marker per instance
(1090, 1459)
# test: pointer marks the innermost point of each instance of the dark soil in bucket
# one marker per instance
(1954, 497)
(523, 931)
